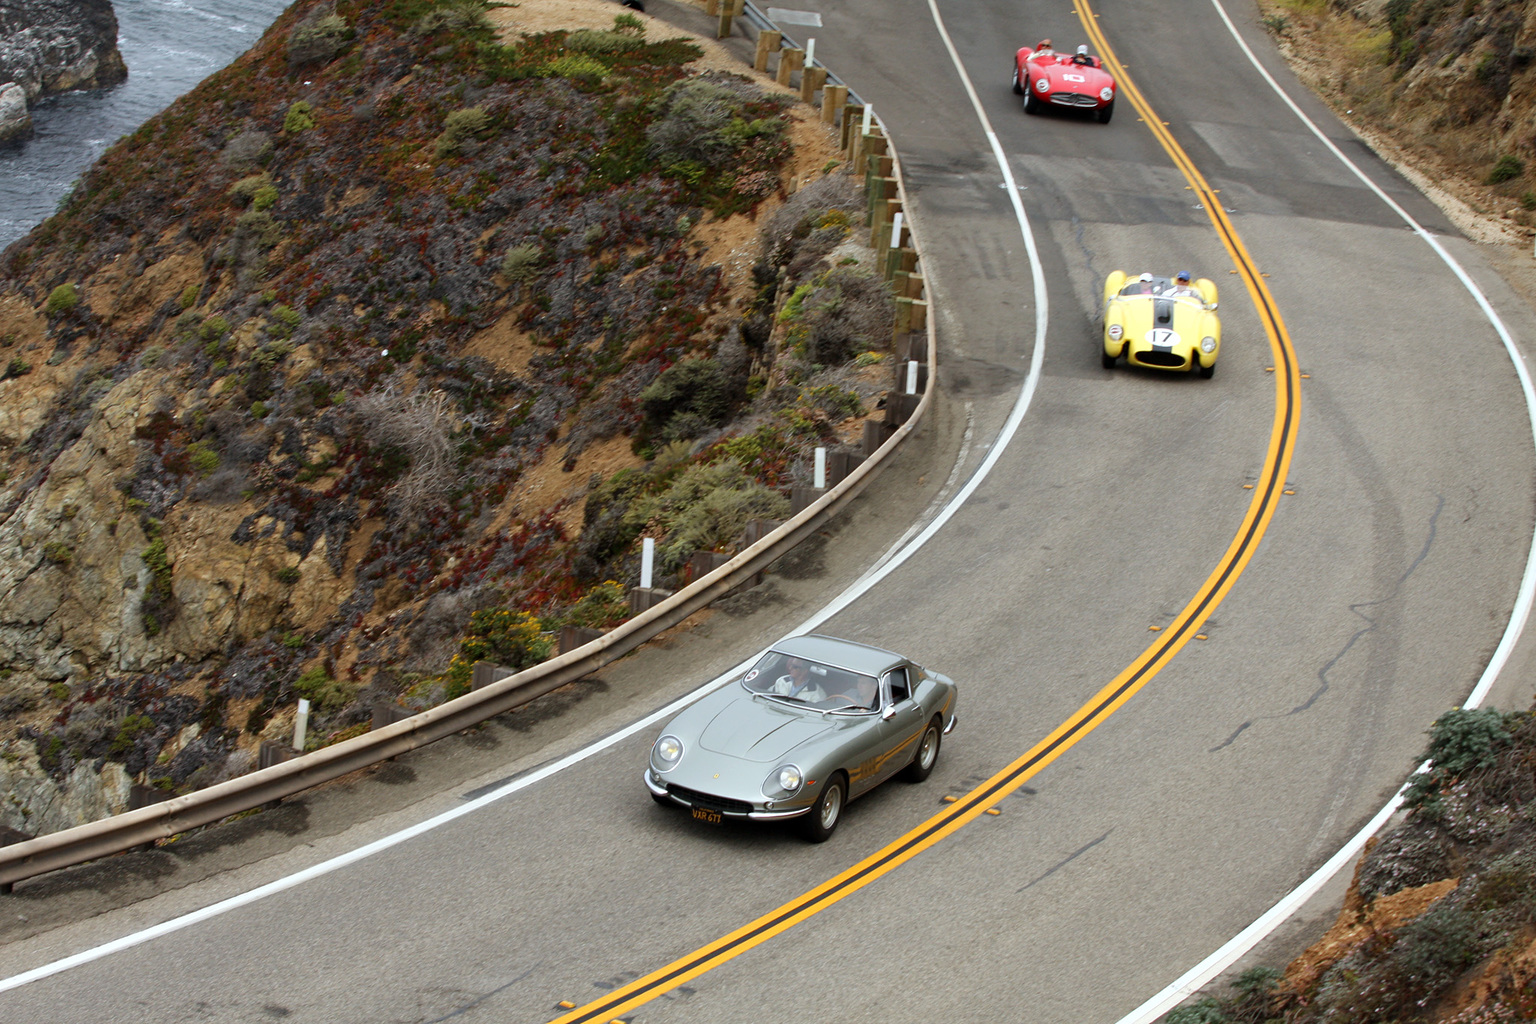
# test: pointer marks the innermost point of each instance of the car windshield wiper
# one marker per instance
(778, 696)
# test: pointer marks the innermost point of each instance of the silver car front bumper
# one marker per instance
(659, 789)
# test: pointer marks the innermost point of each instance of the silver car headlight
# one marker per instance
(1106, 94)
(1207, 344)
(1115, 332)
(1042, 85)
(785, 780)
(666, 753)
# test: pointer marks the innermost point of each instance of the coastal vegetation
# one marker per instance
(379, 352)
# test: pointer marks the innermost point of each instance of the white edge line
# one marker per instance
(847, 597)
(1208, 969)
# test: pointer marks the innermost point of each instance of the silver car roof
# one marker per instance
(843, 654)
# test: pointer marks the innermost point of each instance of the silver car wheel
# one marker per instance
(927, 754)
(930, 749)
(831, 808)
(821, 822)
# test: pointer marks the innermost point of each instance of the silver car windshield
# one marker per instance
(811, 683)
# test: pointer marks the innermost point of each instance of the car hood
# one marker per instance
(753, 729)
(1142, 315)
(1075, 77)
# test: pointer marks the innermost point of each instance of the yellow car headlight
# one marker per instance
(1115, 332)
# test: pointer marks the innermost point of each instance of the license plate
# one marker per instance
(704, 814)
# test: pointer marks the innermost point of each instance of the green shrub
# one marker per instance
(1461, 740)
(319, 38)
(604, 605)
(58, 553)
(298, 118)
(687, 399)
(596, 40)
(271, 353)
(700, 123)
(17, 367)
(61, 300)
(242, 192)
(459, 127)
(214, 328)
(838, 403)
(705, 509)
(283, 320)
(1507, 168)
(521, 263)
(576, 67)
(629, 25)
(59, 692)
(265, 198)
(503, 637)
(1206, 1011)
(288, 574)
(151, 356)
(158, 604)
(190, 294)
(128, 733)
(323, 692)
(204, 459)
(458, 17)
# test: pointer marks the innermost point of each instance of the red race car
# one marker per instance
(1075, 81)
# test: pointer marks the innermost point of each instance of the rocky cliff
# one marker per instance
(50, 46)
(1447, 91)
(376, 354)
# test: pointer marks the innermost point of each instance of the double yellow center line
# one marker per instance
(1170, 641)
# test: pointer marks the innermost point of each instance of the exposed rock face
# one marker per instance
(49, 46)
(36, 803)
(15, 122)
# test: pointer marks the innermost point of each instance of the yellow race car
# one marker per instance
(1162, 322)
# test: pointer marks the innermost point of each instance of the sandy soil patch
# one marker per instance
(504, 345)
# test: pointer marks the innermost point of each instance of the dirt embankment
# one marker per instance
(1446, 91)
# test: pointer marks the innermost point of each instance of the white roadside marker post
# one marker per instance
(647, 559)
(821, 469)
(911, 377)
(300, 725)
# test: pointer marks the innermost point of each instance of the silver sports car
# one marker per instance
(815, 723)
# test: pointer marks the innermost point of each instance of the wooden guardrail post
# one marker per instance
(811, 79)
(791, 59)
(768, 41)
(833, 99)
(852, 114)
(729, 9)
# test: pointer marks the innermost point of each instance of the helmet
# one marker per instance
(1183, 276)
(1044, 44)
(1082, 49)
(1146, 278)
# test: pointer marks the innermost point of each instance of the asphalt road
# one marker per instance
(1374, 601)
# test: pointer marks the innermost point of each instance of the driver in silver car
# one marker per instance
(798, 683)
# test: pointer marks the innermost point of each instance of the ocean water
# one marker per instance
(169, 47)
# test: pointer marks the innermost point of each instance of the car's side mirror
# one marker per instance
(1211, 307)
(888, 714)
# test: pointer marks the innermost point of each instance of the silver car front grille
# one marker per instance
(1074, 99)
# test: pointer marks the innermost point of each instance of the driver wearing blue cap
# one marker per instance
(1181, 287)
